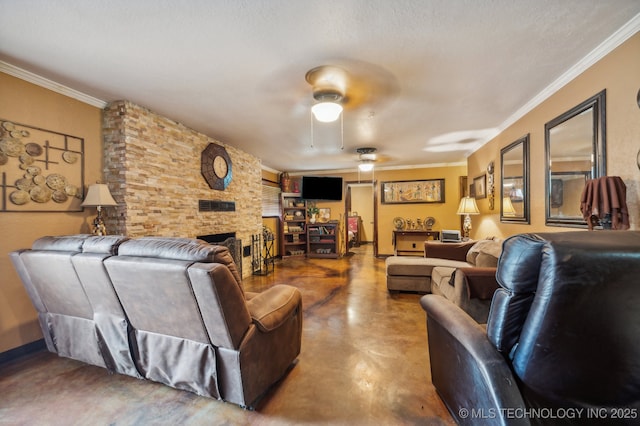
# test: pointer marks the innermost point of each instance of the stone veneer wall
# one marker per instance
(152, 166)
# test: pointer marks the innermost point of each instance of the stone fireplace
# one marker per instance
(152, 167)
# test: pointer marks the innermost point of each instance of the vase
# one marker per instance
(313, 218)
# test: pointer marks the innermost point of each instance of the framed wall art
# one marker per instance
(413, 191)
(480, 186)
(324, 215)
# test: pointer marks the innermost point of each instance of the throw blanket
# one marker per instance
(605, 196)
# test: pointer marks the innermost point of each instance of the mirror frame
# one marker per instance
(524, 142)
(598, 152)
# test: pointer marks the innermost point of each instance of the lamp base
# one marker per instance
(99, 228)
(466, 227)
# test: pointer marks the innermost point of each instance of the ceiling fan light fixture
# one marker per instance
(365, 166)
(367, 158)
(326, 112)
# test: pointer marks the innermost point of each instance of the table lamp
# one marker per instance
(467, 207)
(99, 196)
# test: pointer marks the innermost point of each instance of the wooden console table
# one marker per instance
(411, 243)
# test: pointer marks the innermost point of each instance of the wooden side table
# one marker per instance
(411, 243)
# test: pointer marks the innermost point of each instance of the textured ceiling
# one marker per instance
(435, 78)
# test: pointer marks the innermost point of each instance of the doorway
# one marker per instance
(361, 204)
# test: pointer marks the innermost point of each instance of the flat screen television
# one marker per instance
(322, 188)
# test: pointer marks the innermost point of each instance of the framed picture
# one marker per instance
(413, 191)
(480, 186)
(324, 215)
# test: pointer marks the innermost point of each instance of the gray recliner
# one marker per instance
(79, 314)
(193, 326)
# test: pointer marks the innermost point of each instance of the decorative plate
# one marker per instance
(12, 147)
(19, 197)
(70, 157)
(56, 181)
(398, 223)
(34, 171)
(25, 184)
(71, 190)
(40, 194)
(26, 159)
(429, 222)
(33, 149)
(7, 125)
(59, 196)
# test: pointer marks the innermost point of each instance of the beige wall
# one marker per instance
(362, 203)
(25, 103)
(619, 74)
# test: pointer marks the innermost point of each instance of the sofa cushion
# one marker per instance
(485, 253)
(169, 248)
(418, 266)
(70, 243)
(107, 244)
(452, 251)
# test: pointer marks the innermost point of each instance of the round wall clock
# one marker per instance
(215, 166)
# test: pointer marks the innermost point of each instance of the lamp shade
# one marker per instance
(468, 206)
(507, 207)
(99, 195)
(326, 111)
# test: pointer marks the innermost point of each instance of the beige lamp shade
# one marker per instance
(468, 206)
(507, 207)
(99, 196)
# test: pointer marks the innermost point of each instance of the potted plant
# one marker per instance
(312, 211)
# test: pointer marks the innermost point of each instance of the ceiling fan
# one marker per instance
(329, 86)
(367, 158)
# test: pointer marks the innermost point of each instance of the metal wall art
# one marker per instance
(41, 170)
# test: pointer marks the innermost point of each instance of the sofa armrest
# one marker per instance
(466, 370)
(451, 251)
(477, 283)
(274, 306)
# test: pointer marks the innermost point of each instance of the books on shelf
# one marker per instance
(322, 230)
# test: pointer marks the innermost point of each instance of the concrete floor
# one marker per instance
(364, 361)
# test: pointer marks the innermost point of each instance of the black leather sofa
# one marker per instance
(562, 343)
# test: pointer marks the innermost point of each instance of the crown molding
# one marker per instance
(377, 168)
(51, 85)
(603, 49)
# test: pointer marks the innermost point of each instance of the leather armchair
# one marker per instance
(562, 334)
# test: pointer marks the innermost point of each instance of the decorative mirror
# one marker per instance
(514, 193)
(575, 148)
